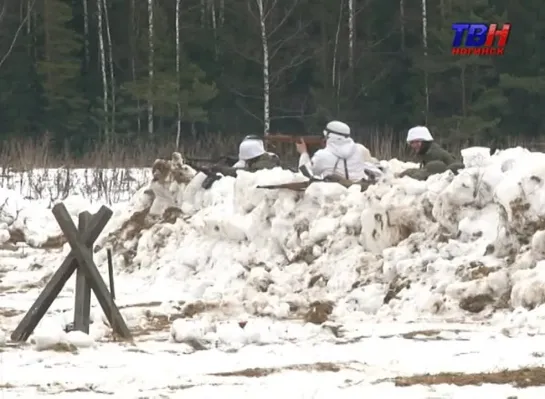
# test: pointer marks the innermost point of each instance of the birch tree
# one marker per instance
(402, 22)
(425, 46)
(151, 50)
(20, 27)
(133, 35)
(335, 78)
(351, 35)
(279, 31)
(178, 105)
(102, 57)
(265, 54)
(111, 65)
(86, 33)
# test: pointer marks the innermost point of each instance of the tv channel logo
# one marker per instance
(480, 38)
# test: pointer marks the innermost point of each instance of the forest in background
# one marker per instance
(146, 76)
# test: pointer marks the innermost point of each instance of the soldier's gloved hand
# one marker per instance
(207, 183)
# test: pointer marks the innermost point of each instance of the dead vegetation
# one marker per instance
(61, 347)
(474, 271)
(24, 287)
(53, 242)
(522, 378)
(476, 303)
(9, 312)
(319, 312)
(430, 334)
(258, 372)
(397, 285)
(157, 322)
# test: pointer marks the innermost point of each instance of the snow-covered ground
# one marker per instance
(245, 291)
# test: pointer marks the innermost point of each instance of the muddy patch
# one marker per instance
(522, 378)
(264, 372)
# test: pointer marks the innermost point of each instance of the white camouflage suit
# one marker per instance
(341, 156)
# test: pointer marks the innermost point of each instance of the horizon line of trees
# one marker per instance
(86, 71)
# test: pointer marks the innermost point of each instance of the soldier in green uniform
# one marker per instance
(433, 159)
(251, 157)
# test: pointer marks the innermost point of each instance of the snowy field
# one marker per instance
(410, 290)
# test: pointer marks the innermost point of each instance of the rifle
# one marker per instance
(212, 172)
(295, 186)
(224, 159)
(301, 186)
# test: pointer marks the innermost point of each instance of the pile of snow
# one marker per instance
(60, 340)
(453, 246)
(55, 184)
(403, 249)
(26, 199)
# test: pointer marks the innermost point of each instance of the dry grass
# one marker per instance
(61, 347)
(26, 154)
(522, 378)
(155, 323)
(264, 372)
(107, 175)
(9, 312)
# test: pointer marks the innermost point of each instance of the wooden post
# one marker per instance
(111, 272)
(82, 305)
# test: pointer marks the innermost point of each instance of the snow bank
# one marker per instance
(403, 249)
(26, 199)
(59, 340)
(449, 247)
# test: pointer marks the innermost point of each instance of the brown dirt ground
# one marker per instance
(161, 323)
(522, 378)
(263, 372)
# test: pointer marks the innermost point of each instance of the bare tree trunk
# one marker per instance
(47, 38)
(214, 26)
(334, 76)
(178, 105)
(203, 13)
(222, 12)
(20, 28)
(351, 35)
(425, 45)
(150, 67)
(111, 64)
(103, 70)
(133, 35)
(29, 19)
(266, 80)
(29, 25)
(463, 84)
(86, 34)
(402, 22)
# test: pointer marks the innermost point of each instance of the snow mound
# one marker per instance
(58, 340)
(32, 222)
(451, 246)
(231, 335)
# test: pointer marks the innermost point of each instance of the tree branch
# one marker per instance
(21, 25)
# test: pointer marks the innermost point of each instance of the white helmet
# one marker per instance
(337, 127)
(420, 133)
(250, 148)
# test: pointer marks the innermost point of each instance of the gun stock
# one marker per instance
(226, 159)
(295, 186)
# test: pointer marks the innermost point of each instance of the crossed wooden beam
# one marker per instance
(88, 277)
